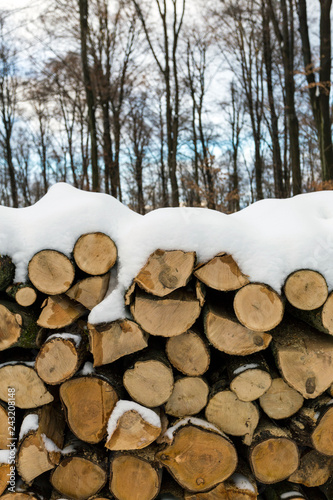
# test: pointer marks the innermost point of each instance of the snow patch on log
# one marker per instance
(192, 421)
(4, 456)
(67, 336)
(241, 482)
(30, 423)
(88, 369)
(123, 406)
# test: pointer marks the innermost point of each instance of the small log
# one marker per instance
(7, 272)
(166, 271)
(59, 311)
(321, 319)
(232, 416)
(280, 400)
(167, 317)
(304, 357)
(221, 273)
(322, 436)
(188, 353)
(314, 469)
(23, 293)
(60, 357)
(132, 427)
(18, 328)
(30, 391)
(273, 455)
(51, 272)
(284, 491)
(112, 341)
(226, 334)
(258, 307)
(249, 377)
(88, 402)
(189, 397)
(306, 290)
(135, 475)
(194, 446)
(150, 381)
(4, 430)
(95, 253)
(89, 291)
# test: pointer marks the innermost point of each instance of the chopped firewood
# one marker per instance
(188, 353)
(166, 271)
(280, 400)
(306, 290)
(321, 437)
(18, 327)
(221, 273)
(168, 316)
(7, 272)
(314, 469)
(90, 291)
(249, 376)
(321, 319)
(95, 253)
(5, 469)
(111, 341)
(59, 311)
(189, 397)
(51, 272)
(23, 293)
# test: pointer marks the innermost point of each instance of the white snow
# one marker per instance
(243, 368)
(66, 336)
(242, 482)
(30, 423)
(291, 494)
(4, 456)
(269, 239)
(52, 447)
(194, 421)
(26, 363)
(88, 369)
(122, 406)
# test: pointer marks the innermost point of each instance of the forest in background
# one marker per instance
(168, 102)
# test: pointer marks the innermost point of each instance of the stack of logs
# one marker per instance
(212, 388)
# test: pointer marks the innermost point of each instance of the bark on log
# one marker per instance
(89, 291)
(188, 353)
(51, 272)
(221, 273)
(314, 469)
(321, 319)
(59, 311)
(24, 294)
(281, 400)
(249, 377)
(18, 327)
(95, 253)
(7, 272)
(189, 397)
(306, 290)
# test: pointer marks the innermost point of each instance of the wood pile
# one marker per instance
(212, 388)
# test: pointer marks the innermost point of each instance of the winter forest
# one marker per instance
(215, 103)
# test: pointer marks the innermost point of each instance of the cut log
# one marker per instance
(188, 353)
(30, 391)
(95, 253)
(23, 293)
(39, 449)
(4, 430)
(59, 311)
(132, 427)
(322, 436)
(111, 341)
(273, 456)
(306, 290)
(20, 496)
(304, 357)
(150, 381)
(88, 402)
(18, 328)
(60, 357)
(221, 273)
(232, 416)
(5, 470)
(321, 319)
(167, 317)
(283, 491)
(314, 469)
(189, 397)
(258, 307)
(194, 446)
(280, 400)
(226, 334)
(90, 291)
(249, 377)
(166, 271)
(7, 272)
(51, 272)
(135, 475)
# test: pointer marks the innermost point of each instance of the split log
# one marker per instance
(7, 272)
(30, 391)
(280, 400)
(18, 327)
(314, 469)
(168, 316)
(226, 334)
(150, 381)
(258, 307)
(51, 272)
(322, 437)
(232, 416)
(132, 427)
(221, 273)
(24, 294)
(5, 470)
(111, 341)
(88, 402)
(60, 357)
(59, 311)
(273, 455)
(166, 271)
(136, 475)
(283, 491)
(4, 430)
(304, 357)
(89, 291)
(321, 319)
(39, 448)
(95, 253)
(188, 353)
(249, 377)
(306, 290)
(194, 446)
(189, 397)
